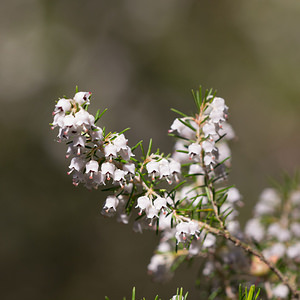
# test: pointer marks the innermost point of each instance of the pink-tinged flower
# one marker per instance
(82, 98)
(77, 163)
(182, 129)
(119, 176)
(143, 203)
(208, 146)
(91, 167)
(63, 105)
(68, 124)
(110, 151)
(164, 169)
(217, 116)
(58, 120)
(84, 119)
(129, 168)
(126, 153)
(108, 170)
(175, 168)
(96, 134)
(151, 212)
(153, 168)
(160, 203)
(79, 143)
(120, 142)
(209, 160)
(182, 232)
(111, 203)
(194, 150)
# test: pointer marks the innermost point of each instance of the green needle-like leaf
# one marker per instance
(187, 124)
(179, 112)
(149, 148)
(99, 115)
(133, 294)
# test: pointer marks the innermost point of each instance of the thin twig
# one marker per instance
(249, 249)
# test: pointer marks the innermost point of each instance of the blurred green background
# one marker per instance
(139, 58)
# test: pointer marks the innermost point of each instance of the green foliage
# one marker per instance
(179, 295)
(248, 295)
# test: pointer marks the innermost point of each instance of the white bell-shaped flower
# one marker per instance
(63, 105)
(208, 146)
(182, 129)
(126, 153)
(194, 150)
(218, 104)
(129, 168)
(91, 167)
(193, 228)
(182, 232)
(209, 160)
(58, 120)
(153, 168)
(120, 142)
(160, 203)
(217, 116)
(108, 170)
(119, 176)
(175, 168)
(164, 169)
(151, 212)
(98, 178)
(96, 134)
(110, 151)
(79, 143)
(177, 126)
(165, 221)
(84, 119)
(111, 203)
(77, 163)
(143, 203)
(69, 123)
(82, 97)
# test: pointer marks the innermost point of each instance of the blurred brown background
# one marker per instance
(139, 58)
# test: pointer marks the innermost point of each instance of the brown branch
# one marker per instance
(238, 243)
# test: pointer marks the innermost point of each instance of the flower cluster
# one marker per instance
(276, 226)
(95, 159)
(202, 138)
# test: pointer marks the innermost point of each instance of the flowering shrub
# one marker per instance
(184, 196)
